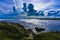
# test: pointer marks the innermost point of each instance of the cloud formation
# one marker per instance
(39, 4)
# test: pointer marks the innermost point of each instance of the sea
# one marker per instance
(48, 25)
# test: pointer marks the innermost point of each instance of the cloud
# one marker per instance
(43, 5)
(39, 4)
(19, 3)
(55, 5)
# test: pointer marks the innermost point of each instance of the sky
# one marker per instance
(39, 4)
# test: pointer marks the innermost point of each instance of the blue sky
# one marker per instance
(7, 1)
(39, 4)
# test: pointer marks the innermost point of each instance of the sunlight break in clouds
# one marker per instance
(39, 4)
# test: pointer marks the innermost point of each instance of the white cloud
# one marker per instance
(39, 4)
(19, 3)
(42, 5)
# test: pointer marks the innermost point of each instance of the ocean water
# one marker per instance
(49, 25)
